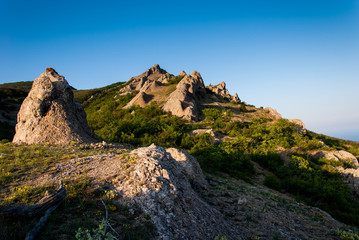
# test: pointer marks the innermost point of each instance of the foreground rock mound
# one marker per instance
(183, 102)
(161, 186)
(49, 114)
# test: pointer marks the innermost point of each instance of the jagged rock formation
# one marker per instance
(149, 81)
(145, 80)
(183, 101)
(49, 114)
(221, 91)
(160, 186)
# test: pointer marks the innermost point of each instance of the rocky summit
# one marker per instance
(49, 114)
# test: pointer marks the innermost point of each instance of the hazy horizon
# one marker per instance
(299, 57)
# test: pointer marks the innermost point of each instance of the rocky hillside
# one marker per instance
(179, 160)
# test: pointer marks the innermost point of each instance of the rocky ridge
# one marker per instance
(49, 114)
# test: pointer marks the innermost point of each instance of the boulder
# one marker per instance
(50, 114)
(342, 156)
(183, 101)
(161, 187)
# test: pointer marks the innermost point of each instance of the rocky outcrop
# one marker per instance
(144, 81)
(161, 186)
(341, 156)
(141, 99)
(49, 114)
(299, 126)
(351, 177)
(183, 101)
(183, 73)
(273, 112)
(190, 165)
(222, 92)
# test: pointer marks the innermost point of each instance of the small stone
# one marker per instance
(242, 201)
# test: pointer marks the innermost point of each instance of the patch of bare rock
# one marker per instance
(50, 114)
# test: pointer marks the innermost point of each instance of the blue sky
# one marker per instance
(299, 57)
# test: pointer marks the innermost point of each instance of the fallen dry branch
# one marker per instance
(31, 235)
(50, 199)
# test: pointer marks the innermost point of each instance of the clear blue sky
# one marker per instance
(300, 57)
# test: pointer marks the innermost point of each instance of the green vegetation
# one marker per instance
(20, 167)
(94, 234)
(175, 80)
(312, 181)
(347, 235)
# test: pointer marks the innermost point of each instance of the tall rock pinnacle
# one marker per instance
(49, 114)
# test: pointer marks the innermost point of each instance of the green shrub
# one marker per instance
(243, 107)
(175, 80)
(212, 114)
(273, 182)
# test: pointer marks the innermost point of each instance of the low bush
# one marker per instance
(273, 182)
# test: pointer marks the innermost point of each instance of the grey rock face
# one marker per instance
(183, 101)
(49, 114)
(160, 186)
(221, 90)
